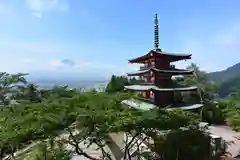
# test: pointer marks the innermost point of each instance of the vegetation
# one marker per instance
(205, 94)
(229, 88)
(225, 75)
(228, 80)
(224, 111)
(55, 119)
(117, 83)
(231, 111)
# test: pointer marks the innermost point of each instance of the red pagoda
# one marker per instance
(155, 76)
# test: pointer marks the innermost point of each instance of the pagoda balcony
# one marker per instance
(171, 67)
(146, 83)
(146, 67)
(143, 68)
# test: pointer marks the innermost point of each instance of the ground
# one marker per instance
(228, 135)
(225, 132)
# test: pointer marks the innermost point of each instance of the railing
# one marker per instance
(146, 66)
(149, 66)
(143, 68)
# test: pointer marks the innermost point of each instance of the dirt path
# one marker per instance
(228, 135)
(91, 150)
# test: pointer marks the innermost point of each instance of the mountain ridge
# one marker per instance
(225, 75)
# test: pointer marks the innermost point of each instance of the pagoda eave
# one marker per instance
(141, 105)
(172, 56)
(155, 88)
(169, 71)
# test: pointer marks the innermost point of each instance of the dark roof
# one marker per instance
(156, 88)
(138, 104)
(167, 71)
(171, 56)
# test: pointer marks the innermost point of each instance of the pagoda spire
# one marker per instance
(156, 32)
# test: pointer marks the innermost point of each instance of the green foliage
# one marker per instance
(205, 94)
(117, 83)
(29, 92)
(231, 110)
(9, 86)
(184, 144)
(58, 92)
(50, 151)
(213, 114)
(229, 87)
(200, 79)
(225, 75)
(23, 123)
(106, 115)
(88, 117)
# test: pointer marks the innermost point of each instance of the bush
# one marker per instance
(213, 114)
(184, 144)
(231, 109)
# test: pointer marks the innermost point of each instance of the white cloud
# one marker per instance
(39, 7)
(82, 66)
(87, 67)
(28, 57)
(19, 56)
(56, 64)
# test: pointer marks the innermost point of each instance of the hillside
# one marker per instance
(225, 75)
(229, 87)
(229, 80)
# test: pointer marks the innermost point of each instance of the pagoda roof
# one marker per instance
(167, 71)
(158, 53)
(138, 104)
(153, 87)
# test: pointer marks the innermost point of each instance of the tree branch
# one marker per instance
(78, 150)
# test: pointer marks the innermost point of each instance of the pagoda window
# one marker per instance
(144, 79)
(151, 73)
(152, 79)
(151, 94)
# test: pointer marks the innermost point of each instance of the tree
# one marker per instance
(205, 89)
(51, 150)
(230, 87)
(58, 92)
(29, 92)
(106, 115)
(117, 83)
(9, 86)
(88, 117)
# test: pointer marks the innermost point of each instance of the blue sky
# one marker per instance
(92, 36)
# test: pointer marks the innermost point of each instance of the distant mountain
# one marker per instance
(48, 79)
(225, 75)
(229, 87)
